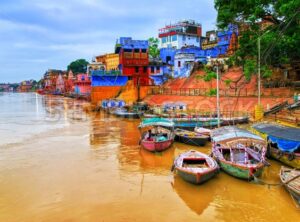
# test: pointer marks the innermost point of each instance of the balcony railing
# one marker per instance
(105, 73)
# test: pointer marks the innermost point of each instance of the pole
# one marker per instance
(258, 43)
(218, 96)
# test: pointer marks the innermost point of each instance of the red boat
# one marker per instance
(156, 134)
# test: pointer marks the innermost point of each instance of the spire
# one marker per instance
(70, 74)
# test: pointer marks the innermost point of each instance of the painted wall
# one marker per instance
(99, 93)
(178, 41)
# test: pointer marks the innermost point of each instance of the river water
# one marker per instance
(58, 163)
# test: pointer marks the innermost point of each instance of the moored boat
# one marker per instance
(195, 167)
(190, 137)
(203, 131)
(124, 113)
(157, 134)
(283, 142)
(239, 152)
(291, 181)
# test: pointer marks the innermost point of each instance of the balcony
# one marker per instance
(105, 73)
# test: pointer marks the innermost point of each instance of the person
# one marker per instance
(149, 134)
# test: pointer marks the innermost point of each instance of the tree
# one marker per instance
(153, 47)
(279, 34)
(78, 66)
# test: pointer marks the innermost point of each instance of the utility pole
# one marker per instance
(258, 43)
(218, 96)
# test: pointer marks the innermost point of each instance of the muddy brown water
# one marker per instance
(59, 164)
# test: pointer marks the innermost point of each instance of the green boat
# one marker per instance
(239, 153)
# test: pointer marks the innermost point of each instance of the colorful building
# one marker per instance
(95, 66)
(134, 60)
(181, 34)
(158, 71)
(60, 84)
(82, 84)
(215, 44)
(25, 86)
(110, 61)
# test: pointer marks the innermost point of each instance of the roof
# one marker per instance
(156, 122)
(230, 132)
(275, 130)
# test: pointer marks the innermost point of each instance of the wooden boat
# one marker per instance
(191, 124)
(291, 181)
(157, 134)
(125, 113)
(195, 167)
(239, 152)
(203, 131)
(190, 137)
(283, 142)
(234, 120)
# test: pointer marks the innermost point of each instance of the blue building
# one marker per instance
(214, 45)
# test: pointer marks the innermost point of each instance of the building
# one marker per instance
(82, 84)
(50, 79)
(134, 60)
(69, 82)
(183, 64)
(26, 86)
(110, 61)
(95, 66)
(158, 71)
(181, 34)
(60, 84)
(215, 44)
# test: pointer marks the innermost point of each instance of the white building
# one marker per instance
(181, 34)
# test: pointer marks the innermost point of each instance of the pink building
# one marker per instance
(82, 84)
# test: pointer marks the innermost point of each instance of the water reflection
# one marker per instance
(197, 198)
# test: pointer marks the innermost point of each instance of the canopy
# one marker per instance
(286, 138)
(229, 132)
(156, 122)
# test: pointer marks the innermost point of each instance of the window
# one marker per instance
(136, 50)
(127, 50)
(145, 69)
(144, 50)
(179, 63)
(158, 68)
(197, 39)
(174, 38)
(183, 38)
(152, 69)
(136, 69)
(164, 39)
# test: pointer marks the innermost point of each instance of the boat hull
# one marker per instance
(153, 146)
(241, 172)
(128, 115)
(284, 157)
(196, 178)
(291, 180)
(191, 141)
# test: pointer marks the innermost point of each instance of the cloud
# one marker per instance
(52, 33)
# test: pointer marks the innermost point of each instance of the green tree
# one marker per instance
(153, 47)
(78, 66)
(279, 42)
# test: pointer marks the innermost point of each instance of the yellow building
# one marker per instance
(111, 61)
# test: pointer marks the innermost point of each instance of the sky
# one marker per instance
(36, 35)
